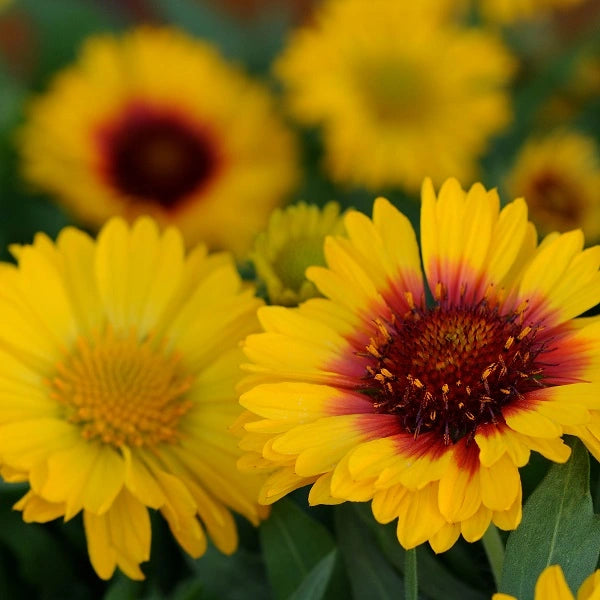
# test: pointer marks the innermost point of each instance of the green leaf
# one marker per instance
(435, 580)
(11, 98)
(315, 583)
(41, 559)
(122, 588)
(293, 543)
(236, 577)
(254, 42)
(62, 25)
(371, 575)
(558, 527)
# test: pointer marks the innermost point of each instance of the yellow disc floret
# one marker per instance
(123, 391)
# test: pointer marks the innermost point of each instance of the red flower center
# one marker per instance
(553, 198)
(157, 156)
(451, 369)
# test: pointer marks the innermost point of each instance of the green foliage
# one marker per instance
(315, 584)
(558, 527)
(371, 575)
(293, 544)
(241, 575)
(253, 44)
(61, 26)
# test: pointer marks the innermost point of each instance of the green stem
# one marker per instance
(411, 584)
(494, 548)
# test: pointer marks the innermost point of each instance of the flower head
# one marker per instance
(551, 585)
(560, 177)
(292, 242)
(391, 87)
(150, 123)
(119, 364)
(426, 397)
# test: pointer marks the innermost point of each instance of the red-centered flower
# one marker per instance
(426, 397)
(156, 122)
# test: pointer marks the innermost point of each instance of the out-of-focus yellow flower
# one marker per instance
(551, 585)
(509, 11)
(560, 177)
(428, 409)
(118, 365)
(158, 123)
(292, 242)
(400, 91)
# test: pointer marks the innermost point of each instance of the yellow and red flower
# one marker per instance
(157, 122)
(426, 397)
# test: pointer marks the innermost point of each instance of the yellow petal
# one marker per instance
(88, 476)
(419, 518)
(550, 264)
(301, 402)
(509, 519)
(508, 237)
(445, 538)
(500, 484)
(474, 527)
(590, 588)
(494, 441)
(386, 503)
(320, 492)
(119, 537)
(343, 485)
(551, 585)
(24, 444)
(38, 510)
(459, 492)
(281, 483)
(531, 422)
(141, 482)
(77, 250)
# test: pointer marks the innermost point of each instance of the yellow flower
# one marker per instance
(551, 585)
(399, 90)
(509, 11)
(157, 123)
(292, 242)
(427, 408)
(560, 177)
(119, 360)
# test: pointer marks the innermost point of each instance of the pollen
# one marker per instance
(449, 370)
(122, 391)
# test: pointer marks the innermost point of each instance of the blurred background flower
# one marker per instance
(152, 123)
(401, 91)
(559, 175)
